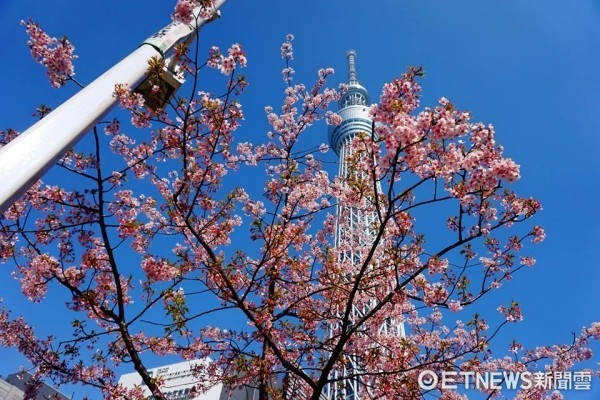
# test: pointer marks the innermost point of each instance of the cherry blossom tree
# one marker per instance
(163, 252)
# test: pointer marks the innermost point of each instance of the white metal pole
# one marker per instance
(26, 158)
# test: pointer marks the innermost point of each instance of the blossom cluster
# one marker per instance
(226, 64)
(184, 10)
(54, 54)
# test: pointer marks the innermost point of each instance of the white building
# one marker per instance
(179, 379)
(10, 392)
(15, 385)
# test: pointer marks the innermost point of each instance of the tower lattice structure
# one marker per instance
(355, 225)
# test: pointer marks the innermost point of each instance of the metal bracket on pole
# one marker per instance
(26, 158)
(157, 90)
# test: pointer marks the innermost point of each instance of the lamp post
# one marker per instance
(26, 158)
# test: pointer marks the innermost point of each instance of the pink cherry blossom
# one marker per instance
(161, 250)
(183, 11)
(54, 54)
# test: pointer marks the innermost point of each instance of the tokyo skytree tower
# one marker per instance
(354, 225)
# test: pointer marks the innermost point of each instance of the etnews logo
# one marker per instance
(564, 380)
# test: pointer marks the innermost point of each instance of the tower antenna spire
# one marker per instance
(352, 76)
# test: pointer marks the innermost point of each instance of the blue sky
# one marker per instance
(528, 67)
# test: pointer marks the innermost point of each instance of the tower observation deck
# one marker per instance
(354, 110)
(354, 224)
